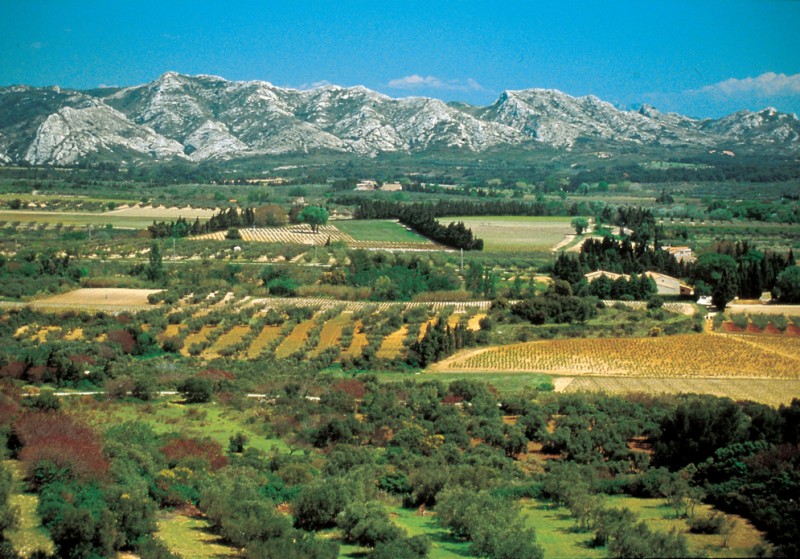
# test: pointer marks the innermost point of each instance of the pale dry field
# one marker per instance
(517, 233)
(93, 297)
(162, 212)
(766, 391)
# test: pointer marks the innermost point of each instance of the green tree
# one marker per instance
(787, 285)
(725, 290)
(580, 224)
(155, 267)
(314, 216)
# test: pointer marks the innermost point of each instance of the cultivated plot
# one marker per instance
(516, 233)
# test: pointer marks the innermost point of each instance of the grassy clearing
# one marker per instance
(191, 538)
(556, 533)
(29, 536)
(196, 420)
(517, 233)
(443, 546)
(504, 383)
(661, 517)
(379, 230)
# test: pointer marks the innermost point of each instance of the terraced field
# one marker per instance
(296, 339)
(392, 344)
(267, 336)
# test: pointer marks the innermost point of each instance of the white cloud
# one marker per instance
(415, 81)
(768, 84)
(38, 45)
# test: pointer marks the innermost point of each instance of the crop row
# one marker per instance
(675, 356)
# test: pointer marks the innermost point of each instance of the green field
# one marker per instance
(388, 231)
(517, 233)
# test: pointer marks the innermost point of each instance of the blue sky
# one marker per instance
(701, 58)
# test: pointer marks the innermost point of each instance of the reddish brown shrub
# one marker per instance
(14, 369)
(180, 450)
(124, 338)
(63, 440)
(351, 387)
(216, 375)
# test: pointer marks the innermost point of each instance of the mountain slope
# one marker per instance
(197, 118)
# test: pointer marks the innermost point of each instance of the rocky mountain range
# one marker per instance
(199, 118)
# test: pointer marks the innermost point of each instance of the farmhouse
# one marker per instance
(681, 254)
(366, 185)
(667, 285)
(391, 187)
(591, 276)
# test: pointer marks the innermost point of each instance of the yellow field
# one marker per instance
(424, 327)
(171, 331)
(474, 322)
(454, 319)
(196, 338)
(267, 335)
(359, 341)
(295, 339)
(98, 298)
(227, 339)
(331, 333)
(393, 344)
(162, 213)
(684, 356)
(766, 391)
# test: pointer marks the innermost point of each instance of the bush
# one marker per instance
(710, 524)
(196, 390)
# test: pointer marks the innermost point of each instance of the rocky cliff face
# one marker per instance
(197, 118)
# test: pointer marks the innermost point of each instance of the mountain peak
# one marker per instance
(209, 117)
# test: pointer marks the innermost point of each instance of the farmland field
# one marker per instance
(98, 298)
(331, 333)
(379, 230)
(509, 234)
(133, 220)
(357, 234)
(766, 391)
(296, 339)
(359, 340)
(267, 335)
(682, 356)
(393, 344)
